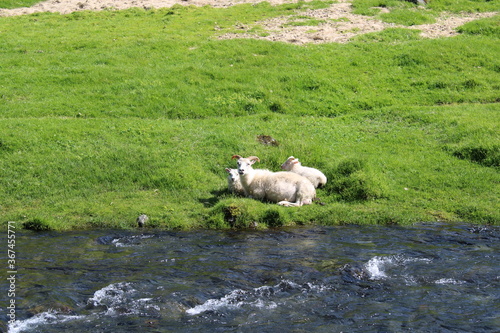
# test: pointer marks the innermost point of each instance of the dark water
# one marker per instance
(427, 278)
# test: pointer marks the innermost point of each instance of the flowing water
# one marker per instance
(425, 278)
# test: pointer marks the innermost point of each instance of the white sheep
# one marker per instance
(234, 182)
(316, 177)
(284, 188)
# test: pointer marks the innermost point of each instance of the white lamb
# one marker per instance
(284, 188)
(316, 177)
(234, 182)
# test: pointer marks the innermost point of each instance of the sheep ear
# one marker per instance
(228, 170)
(236, 157)
(254, 159)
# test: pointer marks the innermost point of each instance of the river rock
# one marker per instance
(141, 220)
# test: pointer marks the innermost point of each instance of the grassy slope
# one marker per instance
(137, 115)
(9, 4)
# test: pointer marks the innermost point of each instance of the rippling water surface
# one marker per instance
(426, 278)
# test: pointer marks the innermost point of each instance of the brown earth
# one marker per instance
(339, 24)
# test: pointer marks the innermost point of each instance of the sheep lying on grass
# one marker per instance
(234, 182)
(284, 188)
(316, 177)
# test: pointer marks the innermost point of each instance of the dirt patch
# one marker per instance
(336, 23)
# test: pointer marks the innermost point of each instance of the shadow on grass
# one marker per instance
(217, 195)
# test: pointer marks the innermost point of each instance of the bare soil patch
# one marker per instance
(338, 23)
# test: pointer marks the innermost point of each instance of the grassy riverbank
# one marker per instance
(108, 115)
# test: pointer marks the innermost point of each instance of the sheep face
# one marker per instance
(244, 167)
(234, 182)
(232, 175)
(245, 164)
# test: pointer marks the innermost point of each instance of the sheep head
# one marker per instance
(232, 174)
(245, 164)
(289, 163)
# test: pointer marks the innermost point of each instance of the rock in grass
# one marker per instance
(141, 220)
(268, 140)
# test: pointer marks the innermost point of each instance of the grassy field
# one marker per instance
(108, 115)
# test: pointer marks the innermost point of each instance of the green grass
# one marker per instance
(408, 17)
(152, 64)
(408, 13)
(486, 27)
(9, 4)
(108, 115)
(399, 165)
(390, 35)
(468, 6)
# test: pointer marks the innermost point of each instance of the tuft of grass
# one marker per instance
(37, 225)
(352, 181)
(372, 7)
(305, 22)
(408, 17)
(391, 35)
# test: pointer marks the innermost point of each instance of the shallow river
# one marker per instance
(425, 278)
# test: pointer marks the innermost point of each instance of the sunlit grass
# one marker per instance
(108, 115)
(412, 13)
(398, 166)
(9, 4)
